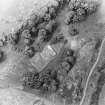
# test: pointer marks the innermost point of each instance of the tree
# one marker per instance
(26, 33)
(29, 51)
(73, 31)
(30, 80)
(28, 41)
(74, 4)
(52, 11)
(50, 27)
(57, 38)
(1, 56)
(66, 66)
(47, 17)
(69, 17)
(14, 38)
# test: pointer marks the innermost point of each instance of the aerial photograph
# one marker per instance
(52, 52)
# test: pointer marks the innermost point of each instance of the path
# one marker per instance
(93, 68)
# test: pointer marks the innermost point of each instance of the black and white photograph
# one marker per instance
(52, 52)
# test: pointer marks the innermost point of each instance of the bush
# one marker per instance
(74, 4)
(50, 27)
(71, 60)
(90, 7)
(42, 25)
(26, 34)
(1, 43)
(14, 38)
(29, 51)
(34, 32)
(58, 38)
(47, 17)
(52, 12)
(49, 80)
(30, 80)
(73, 31)
(66, 66)
(33, 21)
(28, 41)
(42, 35)
(69, 17)
(82, 9)
(44, 82)
(68, 52)
(81, 14)
(68, 59)
(1, 56)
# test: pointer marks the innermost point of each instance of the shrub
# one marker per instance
(45, 81)
(52, 12)
(90, 7)
(34, 32)
(69, 17)
(30, 80)
(1, 56)
(70, 60)
(73, 31)
(66, 66)
(74, 4)
(81, 14)
(14, 38)
(29, 51)
(68, 52)
(49, 80)
(28, 41)
(26, 34)
(57, 38)
(50, 27)
(47, 17)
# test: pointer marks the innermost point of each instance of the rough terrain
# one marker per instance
(54, 55)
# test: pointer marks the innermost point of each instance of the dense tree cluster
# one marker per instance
(29, 78)
(71, 91)
(88, 6)
(79, 10)
(39, 28)
(45, 81)
(49, 80)
(33, 21)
